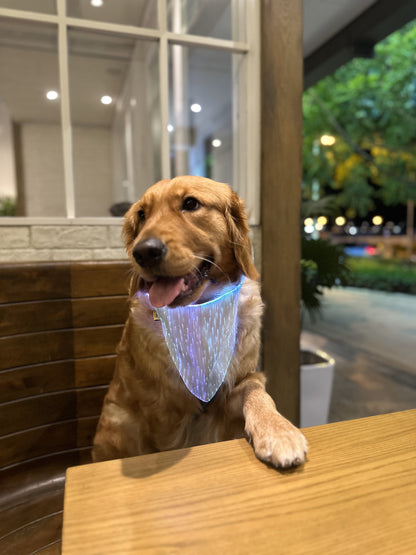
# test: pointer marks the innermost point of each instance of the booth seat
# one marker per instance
(59, 327)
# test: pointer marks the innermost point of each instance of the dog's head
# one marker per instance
(185, 237)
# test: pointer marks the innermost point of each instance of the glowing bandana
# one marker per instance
(201, 340)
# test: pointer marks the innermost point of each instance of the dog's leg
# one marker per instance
(275, 440)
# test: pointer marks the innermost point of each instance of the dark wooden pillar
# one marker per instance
(281, 175)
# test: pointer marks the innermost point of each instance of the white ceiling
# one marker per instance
(324, 18)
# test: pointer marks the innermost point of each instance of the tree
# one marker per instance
(369, 106)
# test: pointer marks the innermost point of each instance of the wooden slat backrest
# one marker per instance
(59, 327)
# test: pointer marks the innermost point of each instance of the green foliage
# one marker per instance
(322, 265)
(369, 106)
(383, 275)
(7, 206)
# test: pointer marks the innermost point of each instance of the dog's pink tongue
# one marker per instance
(165, 290)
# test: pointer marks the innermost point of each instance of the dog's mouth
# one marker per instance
(166, 290)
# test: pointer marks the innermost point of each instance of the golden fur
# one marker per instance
(147, 407)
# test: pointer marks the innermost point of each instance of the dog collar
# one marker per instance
(201, 340)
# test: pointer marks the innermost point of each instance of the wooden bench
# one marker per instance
(59, 326)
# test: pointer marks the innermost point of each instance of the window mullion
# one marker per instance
(65, 111)
(164, 89)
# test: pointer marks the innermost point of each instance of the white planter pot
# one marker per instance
(316, 377)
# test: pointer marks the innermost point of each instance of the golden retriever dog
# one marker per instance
(187, 239)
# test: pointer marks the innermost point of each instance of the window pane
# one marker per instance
(204, 112)
(115, 120)
(31, 145)
(142, 13)
(43, 6)
(221, 19)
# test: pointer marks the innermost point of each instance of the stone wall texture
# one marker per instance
(43, 243)
(37, 243)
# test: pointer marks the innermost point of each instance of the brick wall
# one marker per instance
(31, 242)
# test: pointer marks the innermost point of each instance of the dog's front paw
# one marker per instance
(278, 442)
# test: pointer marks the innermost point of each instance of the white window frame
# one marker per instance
(247, 143)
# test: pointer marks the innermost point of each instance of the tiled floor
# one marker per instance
(372, 336)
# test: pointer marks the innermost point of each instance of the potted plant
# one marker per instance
(322, 265)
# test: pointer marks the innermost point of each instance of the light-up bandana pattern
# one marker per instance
(201, 340)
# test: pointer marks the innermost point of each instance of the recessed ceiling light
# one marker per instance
(52, 95)
(216, 143)
(106, 99)
(97, 3)
(196, 108)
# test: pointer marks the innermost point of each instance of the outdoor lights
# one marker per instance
(319, 227)
(216, 143)
(340, 221)
(353, 230)
(196, 108)
(309, 228)
(377, 220)
(308, 222)
(327, 140)
(106, 99)
(52, 95)
(322, 220)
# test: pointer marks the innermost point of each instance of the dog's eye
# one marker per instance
(141, 215)
(190, 204)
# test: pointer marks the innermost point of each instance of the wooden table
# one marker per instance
(356, 495)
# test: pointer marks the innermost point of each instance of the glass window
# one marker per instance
(204, 112)
(114, 92)
(32, 181)
(43, 6)
(220, 19)
(142, 13)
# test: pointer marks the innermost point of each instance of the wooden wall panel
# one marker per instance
(31, 282)
(99, 311)
(96, 279)
(94, 371)
(281, 176)
(96, 340)
(33, 348)
(29, 317)
(38, 442)
(37, 379)
(51, 408)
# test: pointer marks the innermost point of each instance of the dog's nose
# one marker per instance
(149, 252)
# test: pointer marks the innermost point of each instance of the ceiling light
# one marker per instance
(170, 128)
(216, 143)
(106, 99)
(97, 3)
(196, 108)
(52, 95)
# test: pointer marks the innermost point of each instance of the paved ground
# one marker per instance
(372, 336)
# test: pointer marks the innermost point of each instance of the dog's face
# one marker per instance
(186, 236)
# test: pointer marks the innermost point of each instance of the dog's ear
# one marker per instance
(129, 233)
(238, 230)
(129, 230)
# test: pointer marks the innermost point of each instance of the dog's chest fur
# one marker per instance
(162, 413)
